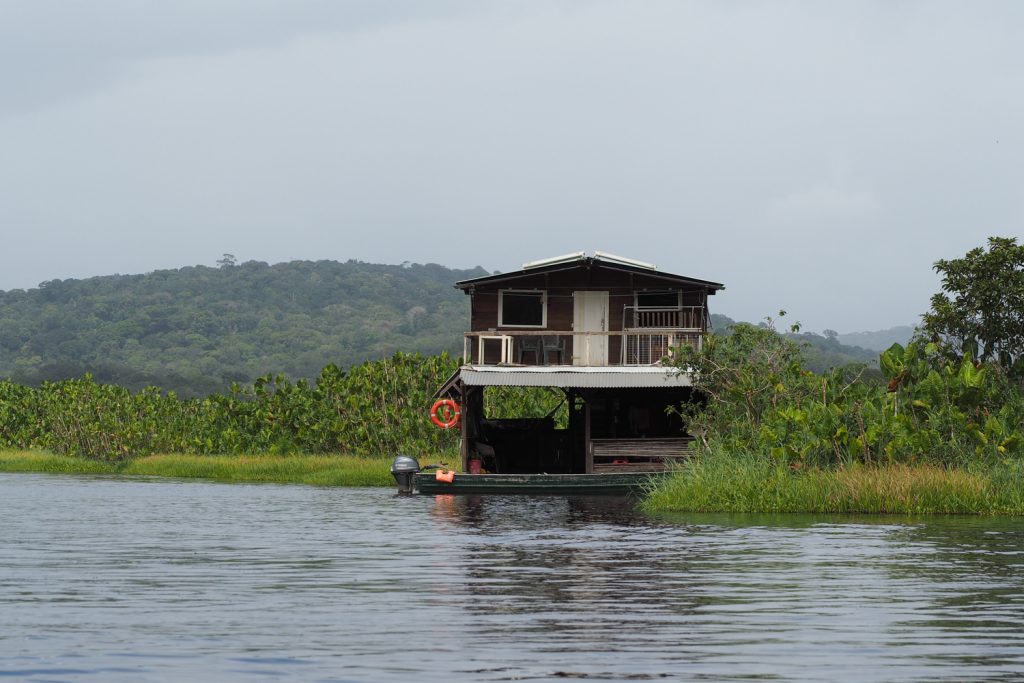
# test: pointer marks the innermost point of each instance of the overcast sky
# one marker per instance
(813, 156)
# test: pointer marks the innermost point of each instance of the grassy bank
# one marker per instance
(41, 461)
(316, 470)
(720, 483)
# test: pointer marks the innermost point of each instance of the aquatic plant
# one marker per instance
(729, 482)
(374, 409)
(316, 470)
(763, 402)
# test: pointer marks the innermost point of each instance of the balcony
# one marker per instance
(648, 336)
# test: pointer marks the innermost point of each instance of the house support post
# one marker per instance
(588, 448)
(463, 431)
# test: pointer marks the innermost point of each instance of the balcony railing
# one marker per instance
(566, 347)
(668, 317)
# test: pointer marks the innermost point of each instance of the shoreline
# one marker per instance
(311, 470)
(725, 483)
(721, 484)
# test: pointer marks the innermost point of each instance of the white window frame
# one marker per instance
(544, 307)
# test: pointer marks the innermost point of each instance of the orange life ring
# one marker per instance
(445, 413)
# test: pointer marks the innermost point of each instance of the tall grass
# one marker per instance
(42, 461)
(316, 470)
(319, 470)
(719, 482)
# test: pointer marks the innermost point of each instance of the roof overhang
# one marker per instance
(568, 377)
(581, 260)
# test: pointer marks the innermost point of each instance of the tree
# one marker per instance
(980, 310)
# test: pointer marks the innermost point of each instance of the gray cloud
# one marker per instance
(53, 51)
(813, 156)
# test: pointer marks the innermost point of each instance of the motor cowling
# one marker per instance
(403, 467)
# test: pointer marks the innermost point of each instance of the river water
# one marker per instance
(156, 580)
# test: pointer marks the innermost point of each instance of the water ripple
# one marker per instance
(148, 580)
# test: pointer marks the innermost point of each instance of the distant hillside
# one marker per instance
(820, 352)
(197, 329)
(880, 340)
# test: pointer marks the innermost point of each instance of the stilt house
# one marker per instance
(598, 328)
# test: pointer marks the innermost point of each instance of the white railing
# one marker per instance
(664, 317)
(648, 348)
(558, 347)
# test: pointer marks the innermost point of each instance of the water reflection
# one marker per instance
(876, 595)
(115, 580)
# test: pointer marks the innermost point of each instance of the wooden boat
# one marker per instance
(604, 484)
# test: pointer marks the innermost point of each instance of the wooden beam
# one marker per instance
(587, 448)
(464, 432)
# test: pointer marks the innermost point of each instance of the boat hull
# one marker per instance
(577, 484)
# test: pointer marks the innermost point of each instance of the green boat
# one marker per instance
(604, 484)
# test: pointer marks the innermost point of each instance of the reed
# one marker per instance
(316, 470)
(319, 470)
(42, 461)
(724, 483)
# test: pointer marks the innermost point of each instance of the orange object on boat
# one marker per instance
(447, 476)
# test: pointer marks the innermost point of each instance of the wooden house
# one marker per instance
(597, 328)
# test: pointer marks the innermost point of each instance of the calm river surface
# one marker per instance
(139, 580)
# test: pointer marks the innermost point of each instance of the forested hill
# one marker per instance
(197, 329)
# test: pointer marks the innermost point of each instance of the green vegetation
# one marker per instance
(196, 330)
(41, 461)
(375, 409)
(741, 483)
(335, 470)
(985, 317)
(939, 428)
(945, 434)
(369, 414)
(820, 352)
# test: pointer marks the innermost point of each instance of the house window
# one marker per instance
(658, 299)
(522, 308)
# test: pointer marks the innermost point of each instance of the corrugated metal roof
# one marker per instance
(569, 377)
(581, 260)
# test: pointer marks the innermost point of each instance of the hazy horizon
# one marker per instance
(813, 157)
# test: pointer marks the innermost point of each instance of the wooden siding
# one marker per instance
(560, 287)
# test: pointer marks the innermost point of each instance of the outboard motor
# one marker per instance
(402, 469)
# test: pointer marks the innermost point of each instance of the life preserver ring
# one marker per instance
(445, 413)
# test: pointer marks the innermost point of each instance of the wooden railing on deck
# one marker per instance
(674, 317)
(638, 455)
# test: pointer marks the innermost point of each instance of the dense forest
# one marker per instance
(195, 330)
